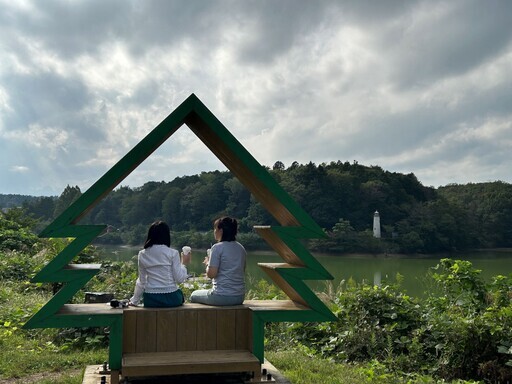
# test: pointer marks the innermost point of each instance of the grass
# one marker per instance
(25, 358)
(302, 369)
(74, 379)
(27, 354)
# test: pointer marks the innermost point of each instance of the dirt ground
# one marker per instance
(38, 377)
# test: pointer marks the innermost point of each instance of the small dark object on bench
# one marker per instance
(98, 297)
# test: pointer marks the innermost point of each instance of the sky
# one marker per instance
(421, 87)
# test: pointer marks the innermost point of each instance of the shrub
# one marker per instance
(469, 324)
(373, 323)
(15, 265)
(465, 332)
(14, 236)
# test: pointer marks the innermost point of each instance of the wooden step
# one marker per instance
(272, 270)
(278, 245)
(78, 267)
(89, 309)
(274, 305)
(189, 362)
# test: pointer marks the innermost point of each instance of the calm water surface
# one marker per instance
(370, 268)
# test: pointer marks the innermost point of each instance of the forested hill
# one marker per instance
(342, 197)
(11, 201)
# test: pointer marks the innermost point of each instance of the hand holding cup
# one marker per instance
(186, 255)
(207, 258)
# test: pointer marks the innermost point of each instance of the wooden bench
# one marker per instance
(190, 339)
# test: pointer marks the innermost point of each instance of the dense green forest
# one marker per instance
(11, 201)
(340, 196)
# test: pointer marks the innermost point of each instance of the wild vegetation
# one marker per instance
(340, 196)
(461, 332)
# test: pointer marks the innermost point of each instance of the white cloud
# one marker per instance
(422, 87)
(48, 139)
(19, 169)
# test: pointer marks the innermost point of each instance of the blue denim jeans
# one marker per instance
(163, 300)
(207, 296)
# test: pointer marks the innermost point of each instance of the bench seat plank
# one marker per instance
(106, 309)
(273, 305)
(89, 309)
(188, 362)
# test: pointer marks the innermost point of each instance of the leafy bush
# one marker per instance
(470, 324)
(14, 233)
(373, 323)
(465, 332)
(117, 277)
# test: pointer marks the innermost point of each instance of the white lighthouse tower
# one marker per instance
(376, 225)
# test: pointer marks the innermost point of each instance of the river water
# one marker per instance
(372, 269)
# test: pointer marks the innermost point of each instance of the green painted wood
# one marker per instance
(258, 337)
(115, 352)
(48, 311)
(54, 270)
(296, 225)
(288, 240)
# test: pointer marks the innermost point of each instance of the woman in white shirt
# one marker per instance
(160, 270)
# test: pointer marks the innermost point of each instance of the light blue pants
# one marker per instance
(207, 296)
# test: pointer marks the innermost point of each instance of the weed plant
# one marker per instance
(465, 333)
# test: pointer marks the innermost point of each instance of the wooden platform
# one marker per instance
(93, 374)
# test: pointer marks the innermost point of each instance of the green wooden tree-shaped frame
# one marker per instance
(299, 265)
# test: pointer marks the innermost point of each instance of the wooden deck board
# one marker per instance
(186, 330)
(89, 309)
(206, 327)
(175, 363)
(226, 336)
(243, 331)
(256, 305)
(146, 331)
(167, 340)
(273, 305)
(129, 334)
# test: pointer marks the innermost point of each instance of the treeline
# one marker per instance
(341, 196)
(12, 201)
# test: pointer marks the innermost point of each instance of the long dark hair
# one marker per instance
(229, 228)
(158, 233)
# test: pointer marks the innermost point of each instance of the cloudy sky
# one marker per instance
(412, 86)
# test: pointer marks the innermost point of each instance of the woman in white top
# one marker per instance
(225, 265)
(160, 270)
